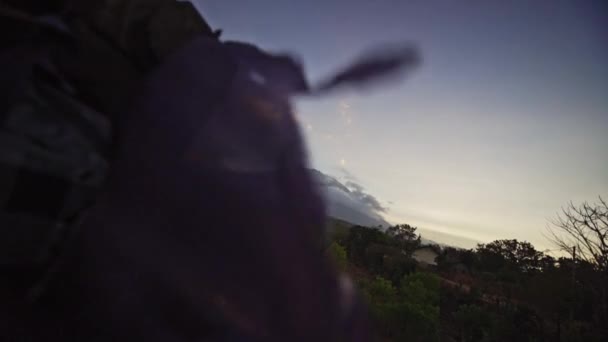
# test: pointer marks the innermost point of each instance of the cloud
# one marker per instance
(350, 202)
(358, 192)
(328, 181)
(347, 174)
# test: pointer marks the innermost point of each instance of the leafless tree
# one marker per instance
(583, 228)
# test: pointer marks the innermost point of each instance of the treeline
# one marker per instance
(403, 299)
(505, 290)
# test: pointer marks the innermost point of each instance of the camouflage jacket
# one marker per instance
(63, 80)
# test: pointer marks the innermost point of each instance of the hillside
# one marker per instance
(340, 226)
(505, 290)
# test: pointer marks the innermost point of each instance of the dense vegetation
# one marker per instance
(505, 290)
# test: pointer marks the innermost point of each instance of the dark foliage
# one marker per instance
(505, 290)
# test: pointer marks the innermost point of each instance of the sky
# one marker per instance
(505, 121)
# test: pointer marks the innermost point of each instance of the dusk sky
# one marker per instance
(505, 121)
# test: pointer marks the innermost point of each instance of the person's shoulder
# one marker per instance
(53, 150)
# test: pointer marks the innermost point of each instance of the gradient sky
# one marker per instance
(505, 121)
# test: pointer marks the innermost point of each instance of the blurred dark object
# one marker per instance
(155, 184)
(377, 65)
(119, 42)
(53, 149)
(213, 211)
(63, 79)
(36, 7)
(145, 30)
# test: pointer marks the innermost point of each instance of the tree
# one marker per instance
(547, 263)
(397, 265)
(359, 239)
(552, 294)
(421, 288)
(450, 256)
(409, 314)
(405, 235)
(505, 255)
(338, 253)
(338, 231)
(583, 228)
(388, 261)
(472, 321)
(381, 290)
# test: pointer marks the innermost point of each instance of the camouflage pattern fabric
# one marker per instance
(144, 30)
(53, 158)
(63, 80)
(120, 41)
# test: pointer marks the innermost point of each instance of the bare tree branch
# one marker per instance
(584, 227)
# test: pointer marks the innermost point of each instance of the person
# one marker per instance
(65, 77)
(67, 72)
(159, 186)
